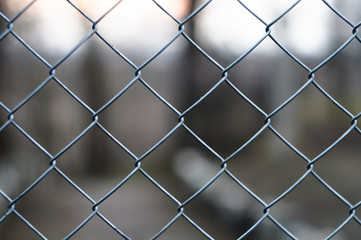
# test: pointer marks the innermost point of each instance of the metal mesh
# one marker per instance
(265, 212)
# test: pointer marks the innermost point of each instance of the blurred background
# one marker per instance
(181, 75)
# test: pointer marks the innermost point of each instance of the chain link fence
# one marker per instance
(224, 183)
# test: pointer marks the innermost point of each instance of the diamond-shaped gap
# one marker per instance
(139, 119)
(125, 29)
(340, 77)
(96, 228)
(53, 200)
(178, 8)
(268, 230)
(20, 72)
(96, 163)
(266, 10)
(224, 210)
(15, 228)
(181, 74)
(311, 122)
(268, 76)
(305, 31)
(11, 9)
(224, 120)
(182, 229)
(54, 28)
(310, 209)
(53, 118)
(139, 208)
(225, 28)
(165, 74)
(95, 73)
(21, 162)
(177, 162)
(349, 9)
(93, 8)
(267, 166)
(341, 167)
(350, 231)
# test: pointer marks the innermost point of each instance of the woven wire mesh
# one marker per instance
(181, 205)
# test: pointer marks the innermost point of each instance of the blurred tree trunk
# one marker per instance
(188, 78)
(190, 62)
(97, 156)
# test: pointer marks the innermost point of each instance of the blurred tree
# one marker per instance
(190, 61)
(97, 156)
(187, 74)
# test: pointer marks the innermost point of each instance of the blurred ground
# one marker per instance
(138, 209)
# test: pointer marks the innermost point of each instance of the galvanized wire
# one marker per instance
(309, 170)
